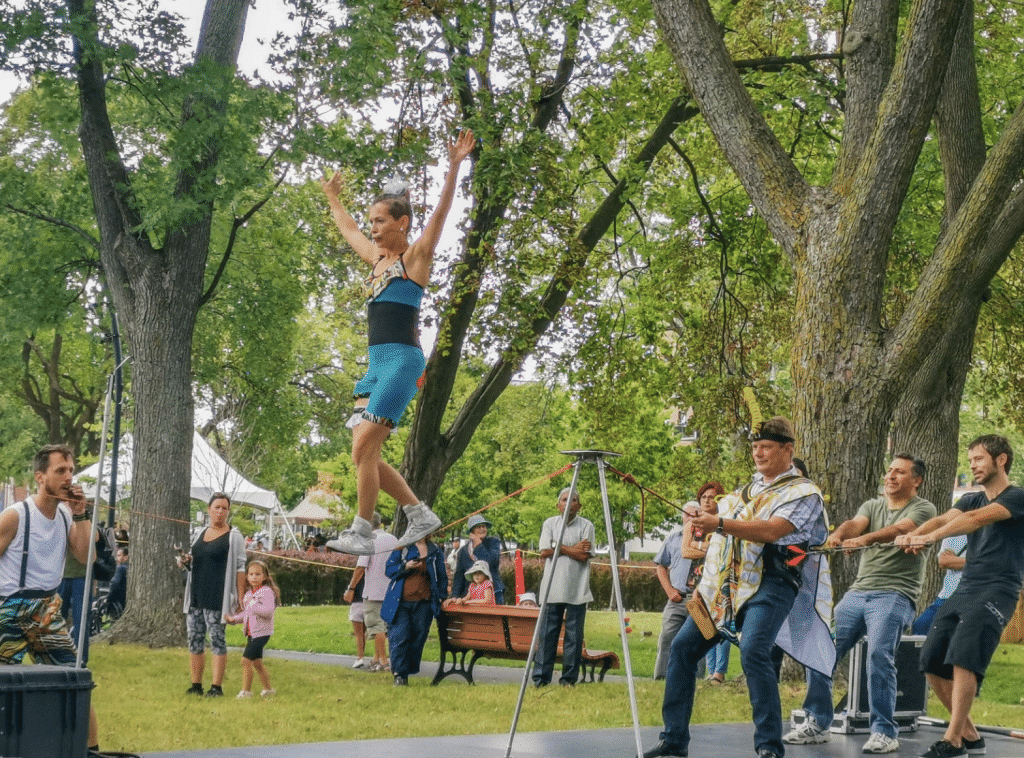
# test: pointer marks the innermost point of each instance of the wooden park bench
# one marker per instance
(500, 631)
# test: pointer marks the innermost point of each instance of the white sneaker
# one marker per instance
(244, 694)
(422, 523)
(881, 743)
(356, 540)
(807, 733)
(268, 693)
(359, 663)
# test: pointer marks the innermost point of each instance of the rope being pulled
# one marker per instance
(509, 496)
(627, 478)
(644, 491)
(444, 528)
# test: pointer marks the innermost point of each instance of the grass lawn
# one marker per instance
(141, 706)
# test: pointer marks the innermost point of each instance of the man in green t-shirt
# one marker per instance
(880, 604)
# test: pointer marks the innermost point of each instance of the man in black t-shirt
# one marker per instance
(965, 632)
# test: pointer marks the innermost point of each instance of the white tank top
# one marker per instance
(48, 545)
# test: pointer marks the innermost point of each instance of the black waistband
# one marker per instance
(393, 323)
(29, 595)
(779, 562)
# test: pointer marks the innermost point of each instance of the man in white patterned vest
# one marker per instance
(758, 577)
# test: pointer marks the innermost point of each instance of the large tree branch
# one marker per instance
(978, 240)
(220, 38)
(869, 45)
(236, 225)
(109, 181)
(958, 118)
(570, 270)
(926, 419)
(79, 231)
(491, 207)
(553, 95)
(774, 185)
(878, 187)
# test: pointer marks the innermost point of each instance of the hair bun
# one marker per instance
(395, 186)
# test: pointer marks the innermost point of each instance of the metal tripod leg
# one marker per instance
(597, 458)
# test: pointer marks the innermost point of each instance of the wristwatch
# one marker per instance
(721, 525)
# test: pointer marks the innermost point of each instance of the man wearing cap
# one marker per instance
(673, 570)
(479, 547)
(750, 580)
(880, 604)
(568, 575)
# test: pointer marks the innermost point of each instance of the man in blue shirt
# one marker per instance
(777, 509)
(673, 570)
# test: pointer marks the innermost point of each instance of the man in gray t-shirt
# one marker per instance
(569, 575)
(880, 604)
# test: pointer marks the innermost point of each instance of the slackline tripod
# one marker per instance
(595, 457)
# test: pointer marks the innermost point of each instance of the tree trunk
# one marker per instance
(927, 424)
(157, 293)
(161, 346)
(52, 398)
(849, 368)
(927, 419)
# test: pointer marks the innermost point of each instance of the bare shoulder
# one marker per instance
(418, 260)
(9, 519)
(8, 526)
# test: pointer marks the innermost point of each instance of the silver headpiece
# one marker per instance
(395, 186)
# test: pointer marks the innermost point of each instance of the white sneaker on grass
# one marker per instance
(359, 663)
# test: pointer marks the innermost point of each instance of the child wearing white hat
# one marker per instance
(481, 588)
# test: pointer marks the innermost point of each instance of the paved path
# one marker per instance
(481, 674)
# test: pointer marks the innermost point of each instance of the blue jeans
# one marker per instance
(759, 621)
(572, 644)
(71, 592)
(672, 620)
(718, 658)
(407, 635)
(881, 616)
(924, 621)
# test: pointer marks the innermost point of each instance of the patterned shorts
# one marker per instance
(34, 625)
(197, 623)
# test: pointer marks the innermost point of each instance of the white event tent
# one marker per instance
(210, 473)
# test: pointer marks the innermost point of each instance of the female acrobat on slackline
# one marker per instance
(399, 272)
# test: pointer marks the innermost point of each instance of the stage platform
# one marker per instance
(709, 741)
